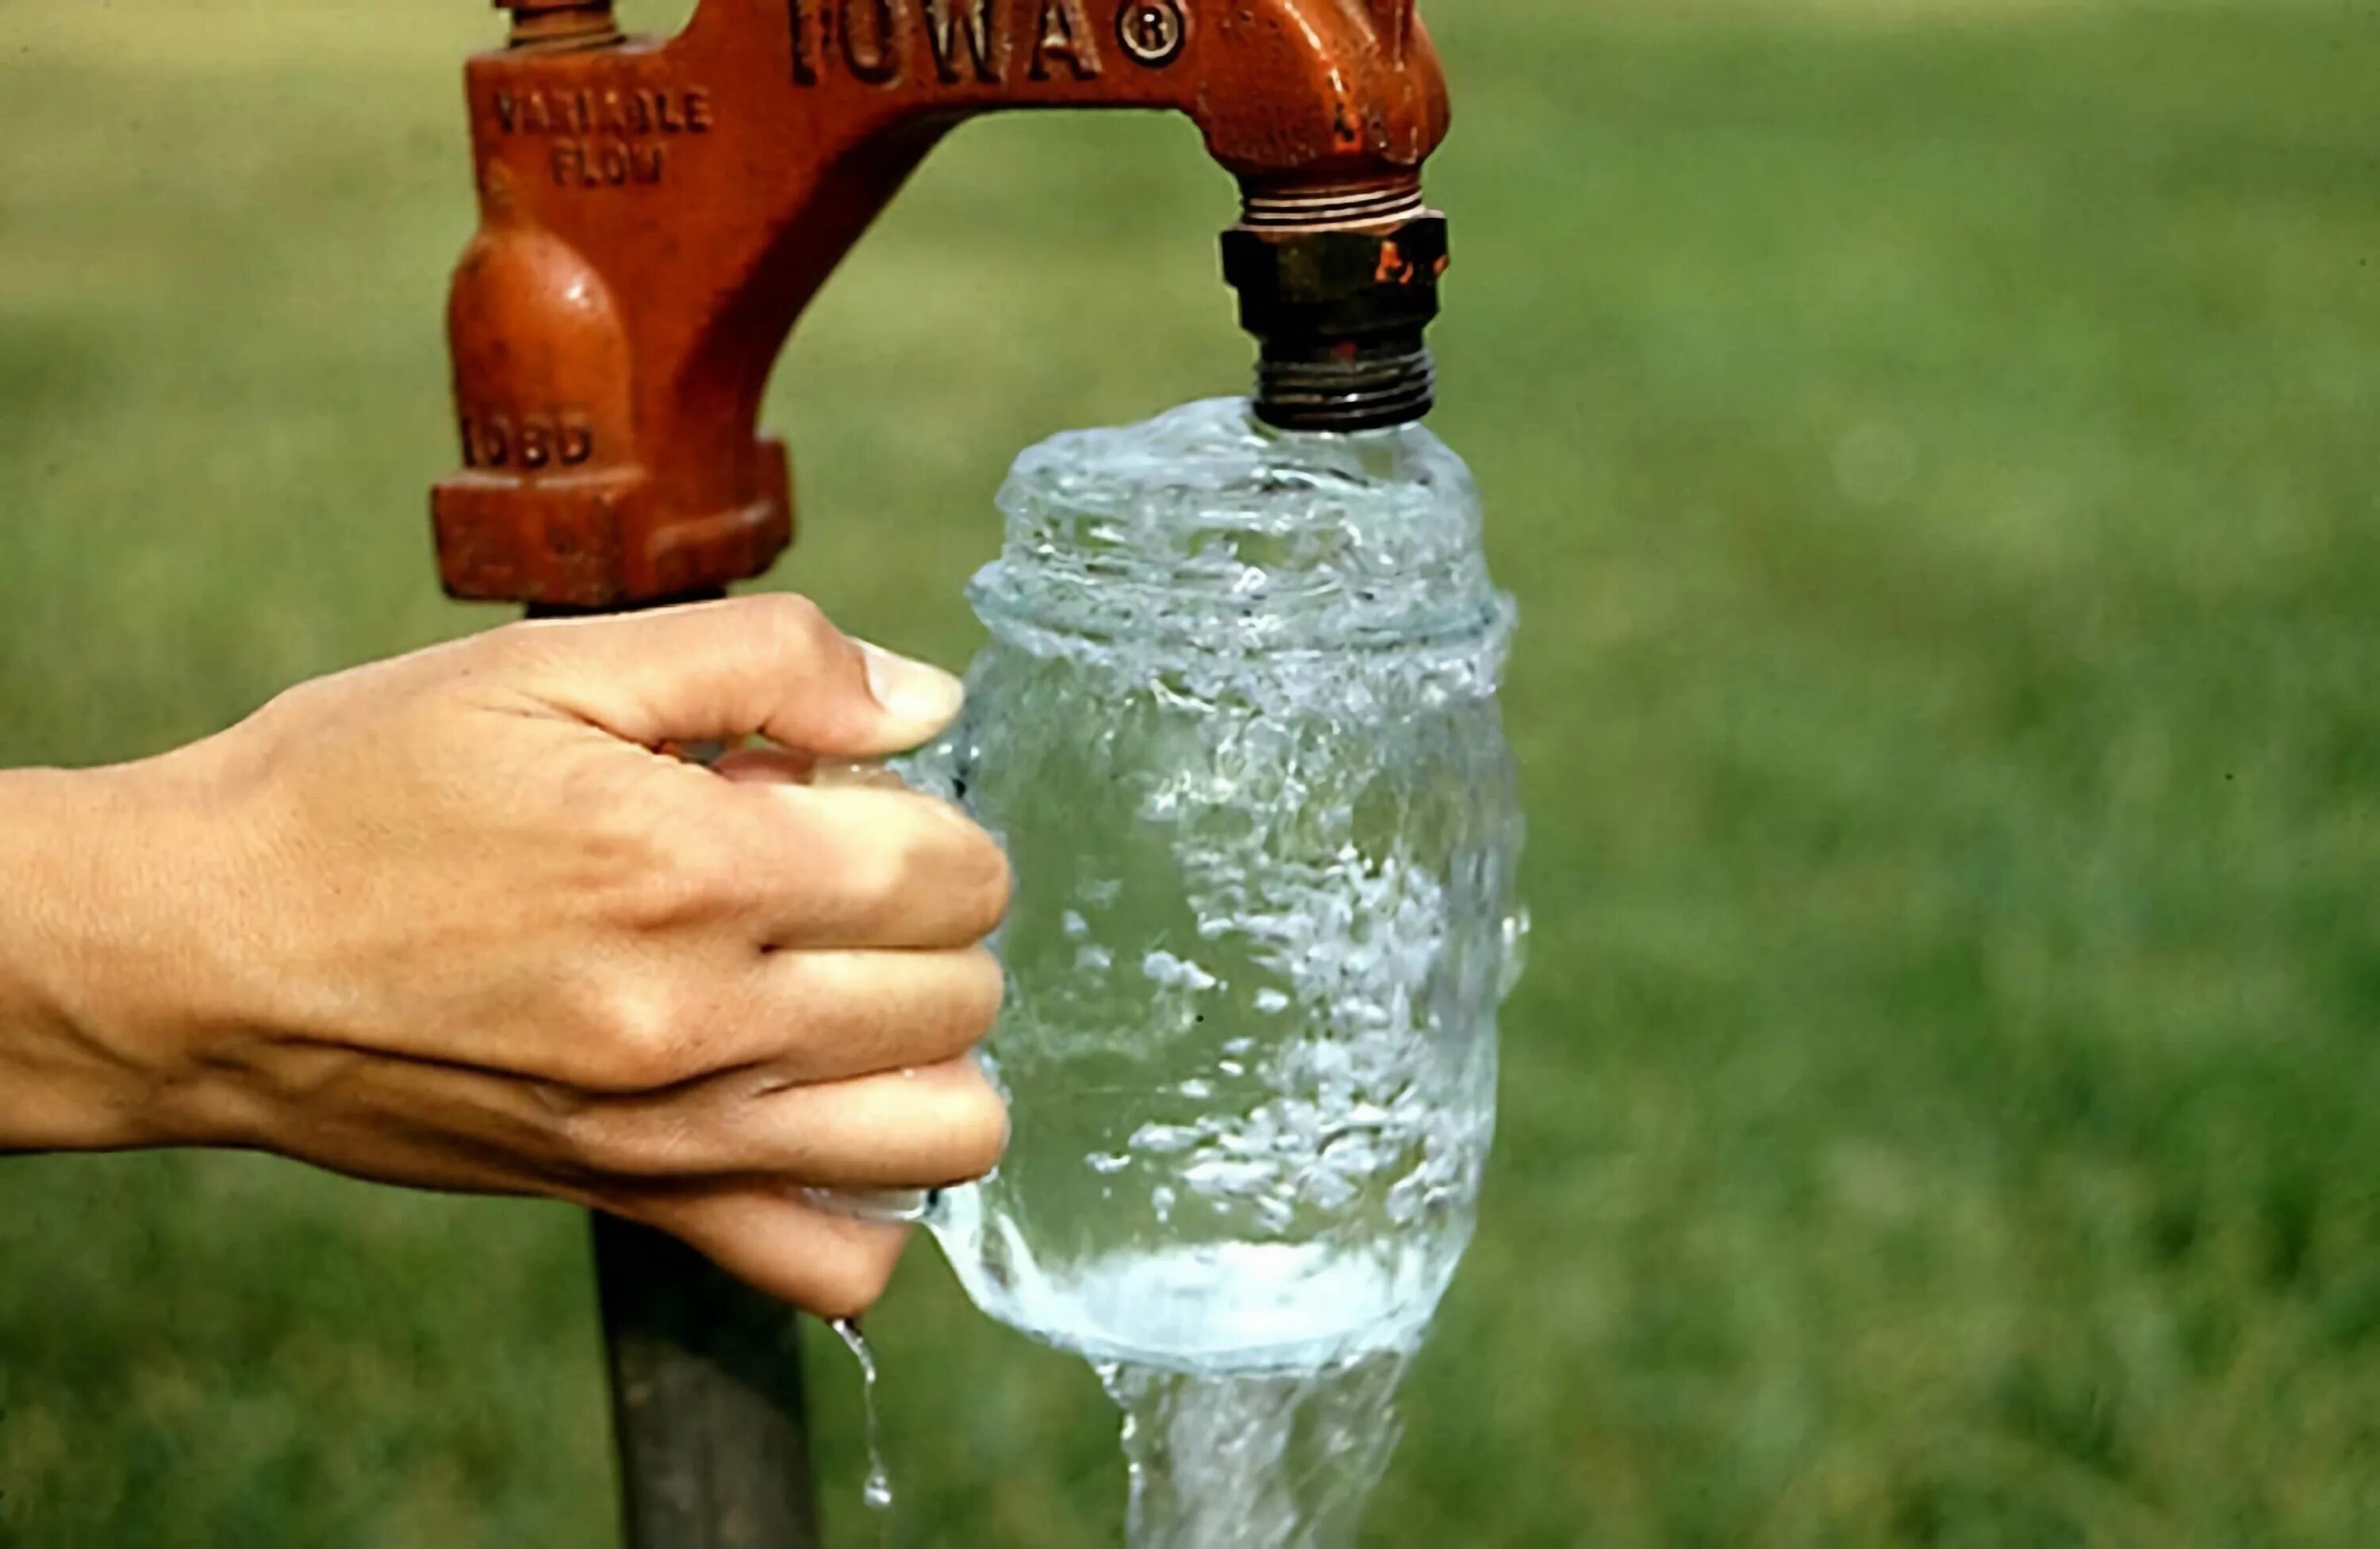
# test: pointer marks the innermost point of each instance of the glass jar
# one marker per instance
(1237, 728)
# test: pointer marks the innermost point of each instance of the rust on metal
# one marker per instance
(656, 212)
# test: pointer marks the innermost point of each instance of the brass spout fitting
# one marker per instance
(1339, 286)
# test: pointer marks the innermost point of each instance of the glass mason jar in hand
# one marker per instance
(1237, 728)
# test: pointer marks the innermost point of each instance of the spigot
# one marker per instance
(1340, 313)
(655, 213)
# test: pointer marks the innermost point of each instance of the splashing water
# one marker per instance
(877, 1490)
(1237, 728)
(1254, 1460)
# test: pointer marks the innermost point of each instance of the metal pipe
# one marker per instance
(707, 1410)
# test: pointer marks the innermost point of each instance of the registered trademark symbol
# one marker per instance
(1152, 31)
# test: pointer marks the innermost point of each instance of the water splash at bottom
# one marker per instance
(1254, 1460)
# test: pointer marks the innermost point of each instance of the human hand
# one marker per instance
(456, 919)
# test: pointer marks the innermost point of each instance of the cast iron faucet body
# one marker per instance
(656, 213)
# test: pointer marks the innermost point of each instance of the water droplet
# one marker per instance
(1175, 972)
(877, 1492)
(1163, 1140)
(1516, 926)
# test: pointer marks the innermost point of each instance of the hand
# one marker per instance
(457, 921)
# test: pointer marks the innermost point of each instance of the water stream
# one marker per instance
(1254, 1460)
(877, 1492)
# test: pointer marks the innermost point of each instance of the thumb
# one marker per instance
(768, 665)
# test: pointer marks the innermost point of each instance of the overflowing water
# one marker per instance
(1281, 1460)
(1237, 728)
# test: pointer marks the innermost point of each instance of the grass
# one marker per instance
(1938, 450)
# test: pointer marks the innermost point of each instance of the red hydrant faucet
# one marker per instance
(656, 212)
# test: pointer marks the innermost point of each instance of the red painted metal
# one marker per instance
(655, 214)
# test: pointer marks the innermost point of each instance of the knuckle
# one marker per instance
(974, 1127)
(799, 623)
(985, 987)
(618, 824)
(982, 883)
(953, 1011)
(697, 878)
(639, 1043)
(650, 861)
(624, 1065)
(879, 876)
(963, 885)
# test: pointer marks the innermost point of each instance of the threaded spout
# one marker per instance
(558, 26)
(1340, 284)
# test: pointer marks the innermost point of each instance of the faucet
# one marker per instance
(655, 213)
(654, 216)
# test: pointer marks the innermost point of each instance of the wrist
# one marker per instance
(90, 960)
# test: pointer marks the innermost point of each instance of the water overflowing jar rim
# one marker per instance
(1099, 617)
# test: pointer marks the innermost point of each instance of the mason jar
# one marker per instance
(1237, 728)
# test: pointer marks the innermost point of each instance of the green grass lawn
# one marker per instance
(1939, 462)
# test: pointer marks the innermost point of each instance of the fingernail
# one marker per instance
(840, 776)
(912, 690)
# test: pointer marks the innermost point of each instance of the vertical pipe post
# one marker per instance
(706, 1399)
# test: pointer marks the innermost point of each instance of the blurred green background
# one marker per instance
(1936, 446)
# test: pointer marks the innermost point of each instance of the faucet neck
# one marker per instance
(558, 26)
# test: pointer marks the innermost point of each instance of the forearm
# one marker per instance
(68, 1082)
